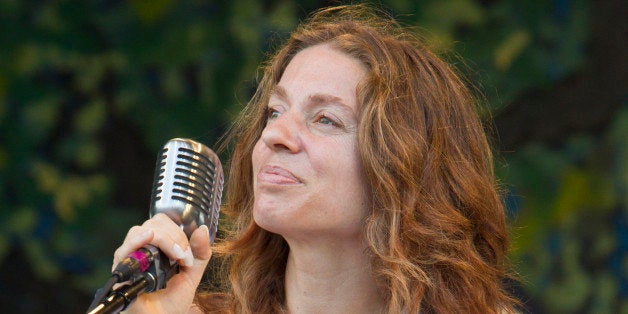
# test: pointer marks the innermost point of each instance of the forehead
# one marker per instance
(321, 72)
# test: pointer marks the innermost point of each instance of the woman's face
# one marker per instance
(308, 178)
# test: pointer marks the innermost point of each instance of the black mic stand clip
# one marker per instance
(153, 279)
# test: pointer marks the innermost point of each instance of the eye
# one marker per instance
(325, 120)
(271, 113)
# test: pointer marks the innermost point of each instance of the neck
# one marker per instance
(330, 278)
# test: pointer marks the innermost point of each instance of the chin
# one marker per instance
(268, 219)
(281, 223)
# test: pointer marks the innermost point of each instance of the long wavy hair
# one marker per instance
(436, 231)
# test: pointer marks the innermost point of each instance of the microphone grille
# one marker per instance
(188, 185)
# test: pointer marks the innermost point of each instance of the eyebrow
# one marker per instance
(280, 92)
(315, 99)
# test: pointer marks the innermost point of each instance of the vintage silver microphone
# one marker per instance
(187, 187)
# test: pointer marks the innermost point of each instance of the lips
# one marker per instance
(277, 175)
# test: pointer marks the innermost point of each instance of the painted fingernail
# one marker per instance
(178, 251)
(189, 258)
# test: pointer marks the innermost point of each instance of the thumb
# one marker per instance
(199, 244)
(199, 241)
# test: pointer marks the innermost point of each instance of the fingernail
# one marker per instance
(178, 251)
(205, 230)
(189, 258)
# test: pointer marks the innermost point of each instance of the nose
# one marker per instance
(283, 133)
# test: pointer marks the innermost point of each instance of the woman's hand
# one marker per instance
(192, 256)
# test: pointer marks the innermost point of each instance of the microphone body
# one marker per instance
(188, 186)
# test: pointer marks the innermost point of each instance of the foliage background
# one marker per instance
(90, 90)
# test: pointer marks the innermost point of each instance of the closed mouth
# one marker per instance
(277, 175)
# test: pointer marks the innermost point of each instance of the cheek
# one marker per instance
(347, 161)
(257, 155)
(337, 156)
(358, 177)
(344, 166)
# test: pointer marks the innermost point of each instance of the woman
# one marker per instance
(361, 182)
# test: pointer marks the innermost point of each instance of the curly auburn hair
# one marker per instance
(436, 230)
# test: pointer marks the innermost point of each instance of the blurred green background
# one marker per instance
(90, 90)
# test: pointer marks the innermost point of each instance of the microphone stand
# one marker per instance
(120, 298)
(153, 279)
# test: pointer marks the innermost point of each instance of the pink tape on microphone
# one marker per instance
(142, 258)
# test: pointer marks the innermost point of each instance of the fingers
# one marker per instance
(135, 239)
(192, 255)
(170, 239)
(161, 232)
